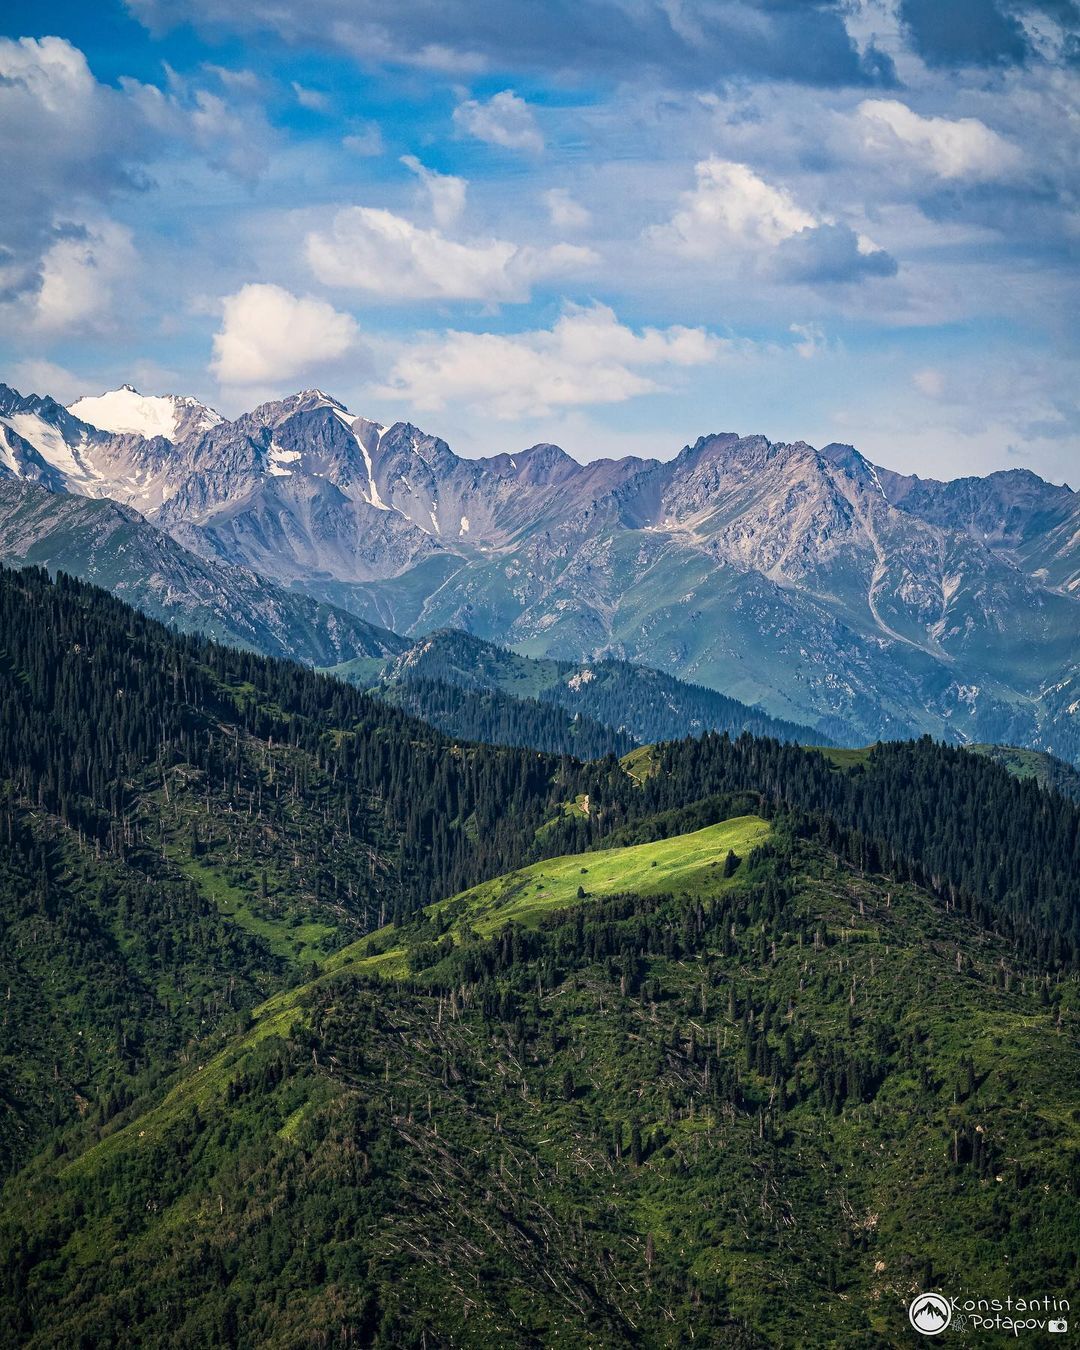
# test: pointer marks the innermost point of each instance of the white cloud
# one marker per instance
(311, 99)
(960, 148)
(735, 219)
(445, 192)
(241, 80)
(63, 137)
(234, 139)
(269, 334)
(811, 339)
(365, 140)
(565, 212)
(505, 119)
(384, 254)
(69, 144)
(587, 358)
(79, 273)
(731, 206)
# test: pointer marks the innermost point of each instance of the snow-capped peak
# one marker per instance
(125, 411)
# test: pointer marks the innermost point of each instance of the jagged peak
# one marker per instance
(322, 396)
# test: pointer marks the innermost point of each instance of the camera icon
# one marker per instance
(1057, 1324)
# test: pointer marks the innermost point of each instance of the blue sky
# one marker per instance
(613, 224)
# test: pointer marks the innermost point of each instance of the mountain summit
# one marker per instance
(126, 411)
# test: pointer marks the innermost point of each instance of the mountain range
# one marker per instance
(809, 583)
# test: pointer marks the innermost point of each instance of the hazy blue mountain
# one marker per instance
(477, 689)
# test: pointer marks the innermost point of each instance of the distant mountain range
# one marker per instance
(475, 689)
(810, 583)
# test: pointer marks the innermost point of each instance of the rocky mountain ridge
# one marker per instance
(808, 581)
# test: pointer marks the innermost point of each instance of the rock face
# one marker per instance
(1032, 524)
(113, 546)
(811, 582)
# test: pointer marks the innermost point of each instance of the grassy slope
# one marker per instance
(668, 865)
(1045, 769)
(640, 763)
(687, 862)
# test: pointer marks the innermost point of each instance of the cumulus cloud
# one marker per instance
(564, 211)
(505, 119)
(587, 358)
(445, 192)
(69, 145)
(811, 339)
(950, 148)
(62, 136)
(35, 375)
(268, 334)
(387, 255)
(966, 32)
(80, 271)
(314, 100)
(730, 204)
(233, 138)
(733, 216)
(830, 253)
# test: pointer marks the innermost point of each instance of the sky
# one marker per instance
(616, 225)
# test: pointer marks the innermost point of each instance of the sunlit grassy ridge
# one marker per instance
(691, 862)
(646, 869)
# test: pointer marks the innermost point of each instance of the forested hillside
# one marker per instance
(765, 1103)
(500, 719)
(1044, 769)
(184, 827)
(282, 1062)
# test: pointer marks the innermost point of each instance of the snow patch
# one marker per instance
(373, 491)
(464, 525)
(7, 457)
(278, 458)
(125, 411)
(49, 444)
(877, 480)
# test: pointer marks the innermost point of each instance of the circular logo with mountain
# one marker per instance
(929, 1314)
